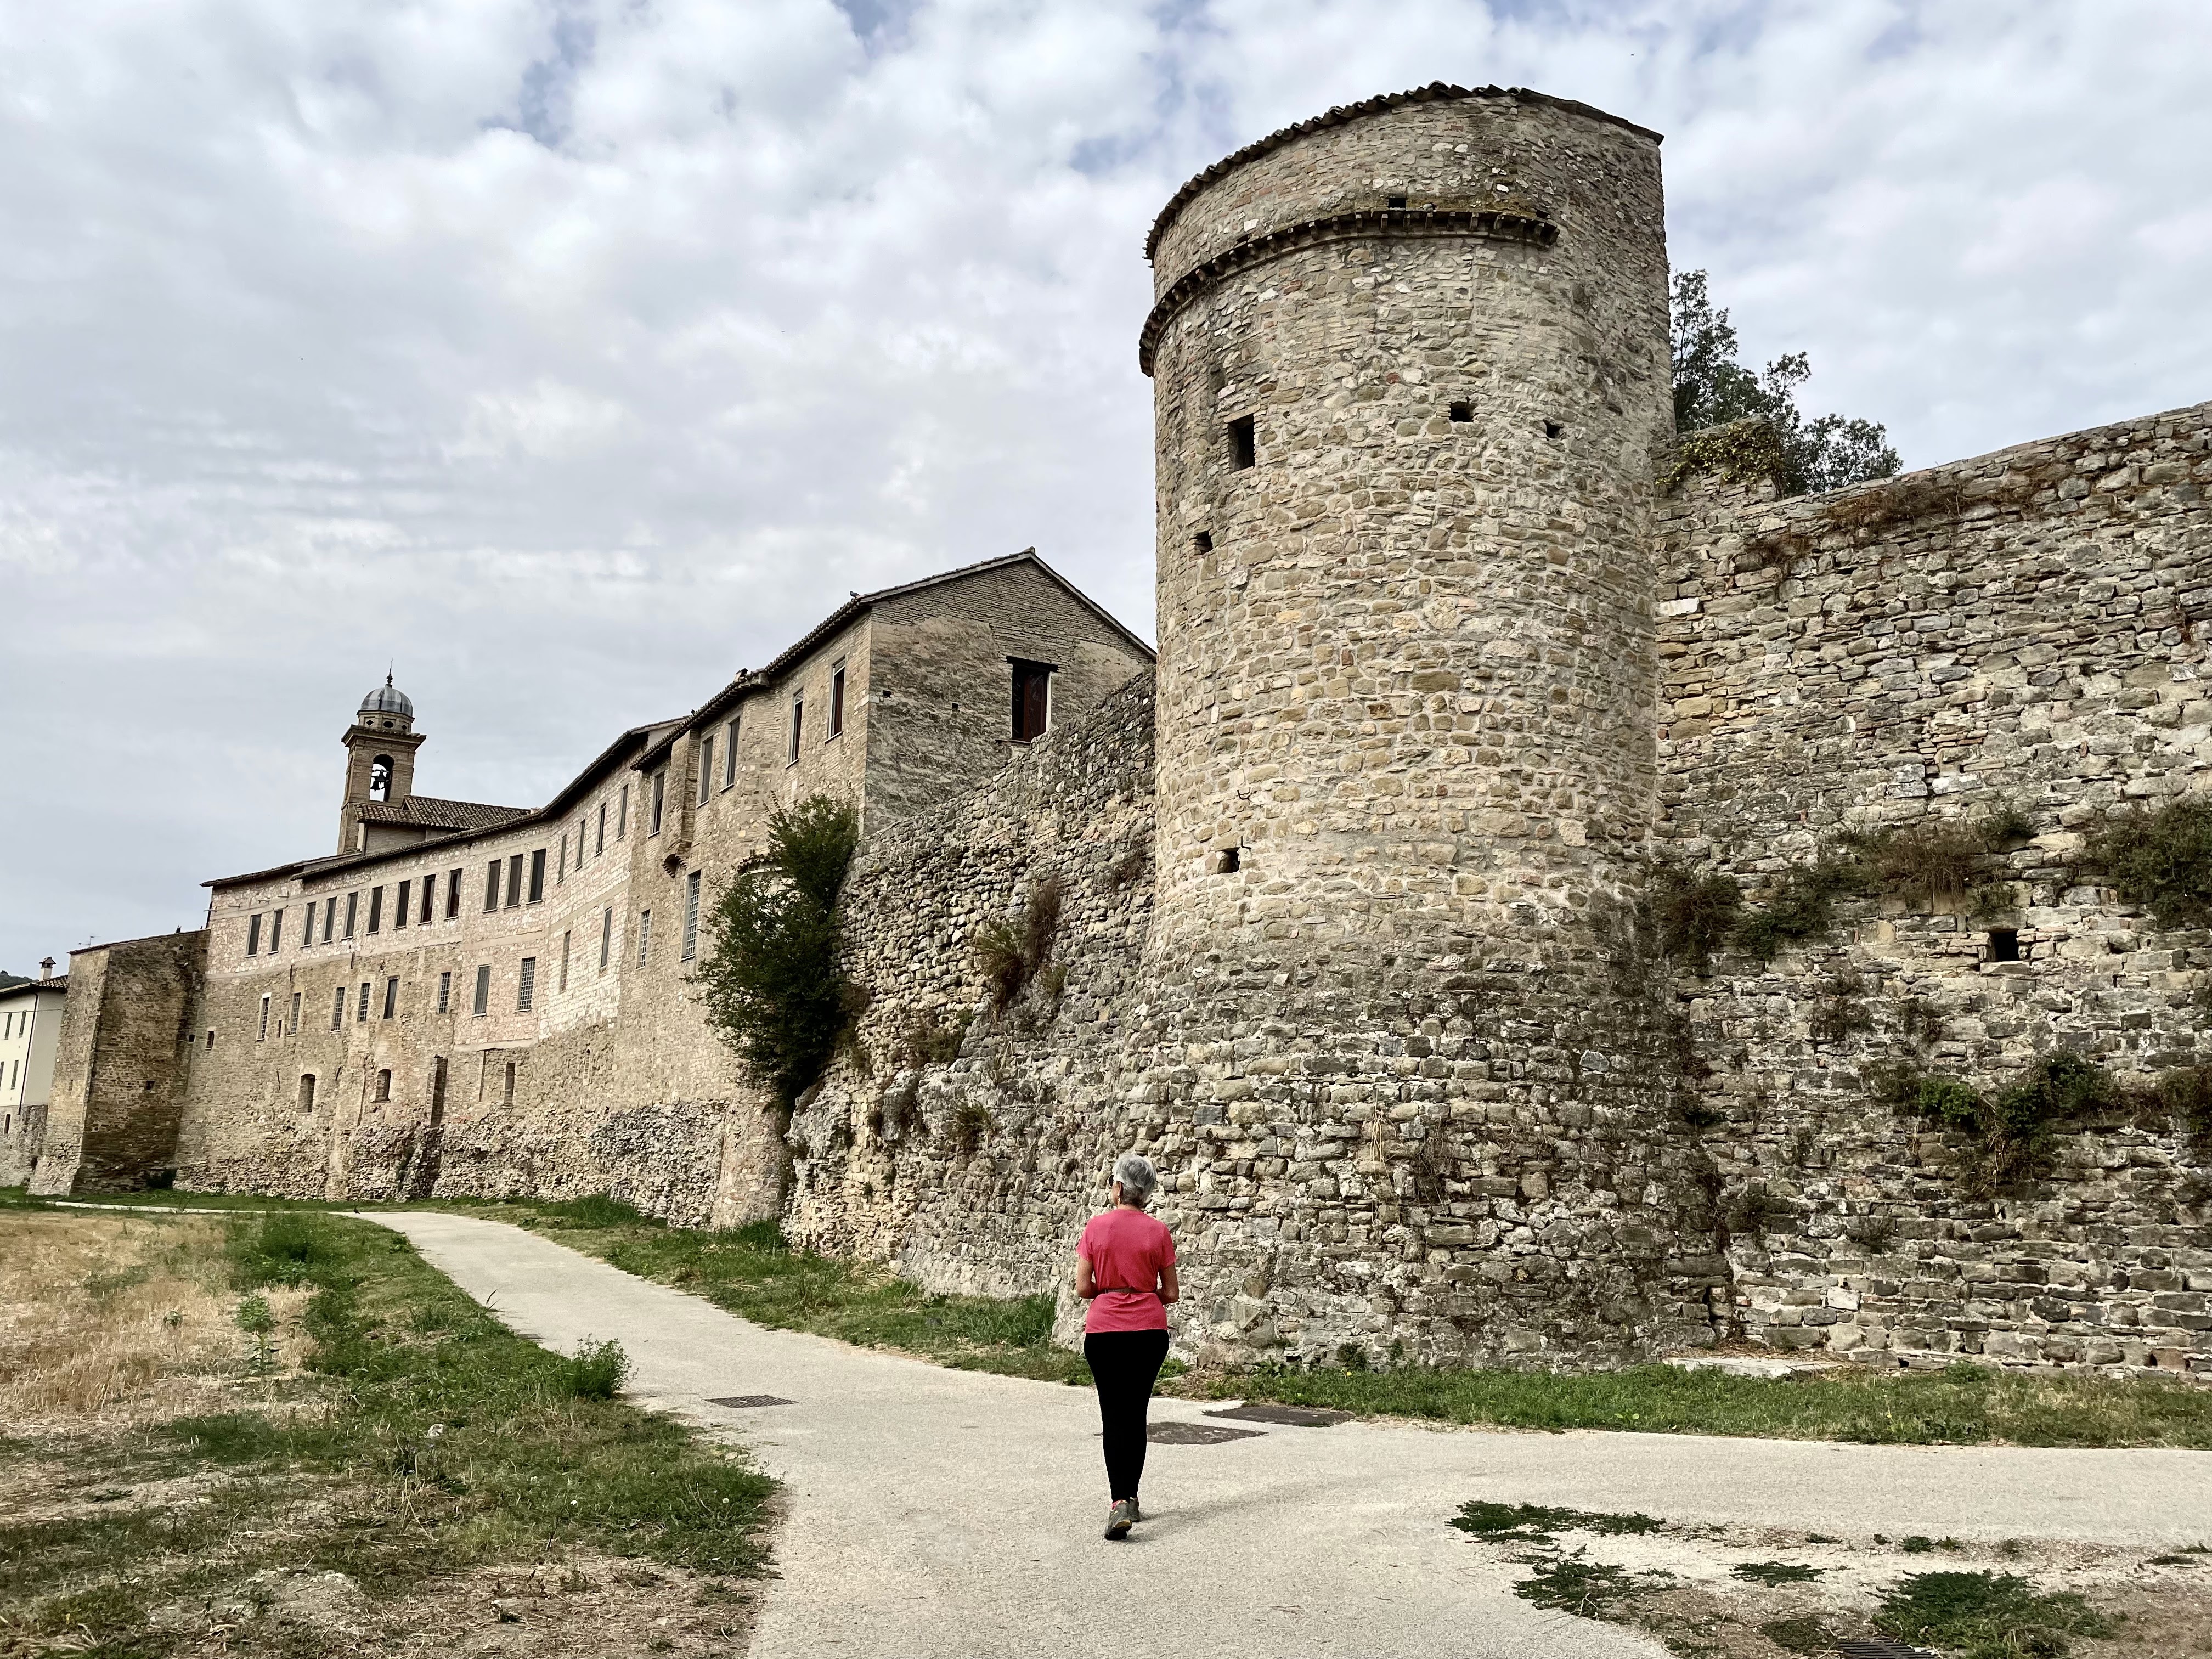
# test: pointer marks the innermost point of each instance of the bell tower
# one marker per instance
(381, 747)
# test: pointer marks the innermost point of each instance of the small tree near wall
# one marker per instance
(769, 975)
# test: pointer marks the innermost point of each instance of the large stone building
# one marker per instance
(1466, 663)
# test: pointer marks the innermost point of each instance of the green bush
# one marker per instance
(2010, 1133)
(768, 976)
(1012, 953)
(1800, 906)
(2161, 860)
(596, 1371)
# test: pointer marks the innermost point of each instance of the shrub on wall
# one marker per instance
(2008, 1135)
(1012, 953)
(769, 975)
(1696, 914)
(2161, 860)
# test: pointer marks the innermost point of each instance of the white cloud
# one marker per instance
(569, 354)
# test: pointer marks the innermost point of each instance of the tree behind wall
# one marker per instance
(769, 975)
(1712, 387)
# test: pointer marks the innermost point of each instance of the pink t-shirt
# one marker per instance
(1126, 1250)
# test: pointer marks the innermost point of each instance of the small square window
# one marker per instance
(1393, 201)
(2004, 945)
(1462, 410)
(1202, 543)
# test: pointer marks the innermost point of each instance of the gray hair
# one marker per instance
(1137, 1176)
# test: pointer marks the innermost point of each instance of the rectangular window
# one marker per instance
(452, 896)
(400, 896)
(275, 931)
(622, 818)
(525, 985)
(330, 917)
(514, 881)
(659, 787)
(564, 961)
(706, 769)
(375, 910)
(561, 870)
(691, 916)
(599, 845)
(437, 1088)
(1243, 444)
(606, 937)
(446, 991)
(338, 1008)
(391, 996)
(253, 934)
(263, 1034)
(798, 725)
(730, 753)
(296, 1013)
(644, 935)
(491, 887)
(429, 900)
(353, 911)
(507, 1094)
(836, 699)
(483, 990)
(360, 1015)
(1032, 698)
(538, 876)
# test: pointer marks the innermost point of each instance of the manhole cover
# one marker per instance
(1295, 1417)
(1195, 1434)
(741, 1400)
(1876, 1647)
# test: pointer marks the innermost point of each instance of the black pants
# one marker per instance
(1125, 1364)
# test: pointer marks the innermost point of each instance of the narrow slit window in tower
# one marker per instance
(2004, 945)
(1243, 444)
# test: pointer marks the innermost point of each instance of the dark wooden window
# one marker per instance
(375, 910)
(514, 881)
(1032, 698)
(483, 1004)
(437, 1088)
(275, 930)
(402, 894)
(537, 875)
(452, 895)
(660, 792)
(491, 885)
(353, 911)
(391, 997)
(253, 934)
(838, 700)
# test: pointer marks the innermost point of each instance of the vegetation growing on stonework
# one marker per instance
(1986, 1615)
(2160, 859)
(1801, 905)
(1713, 389)
(1696, 914)
(2007, 1134)
(769, 976)
(1014, 953)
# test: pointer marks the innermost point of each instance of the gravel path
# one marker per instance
(940, 1512)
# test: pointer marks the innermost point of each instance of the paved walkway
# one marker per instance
(940, 1512)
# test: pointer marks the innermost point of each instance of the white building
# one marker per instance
(30, 1020)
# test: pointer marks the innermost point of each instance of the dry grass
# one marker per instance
(106, 1322)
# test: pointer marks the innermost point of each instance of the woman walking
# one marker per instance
(1125, 1267)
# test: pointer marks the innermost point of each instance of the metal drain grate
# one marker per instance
(1295, 1417)
(1876, 1647)
(743, 1401)
(1195, 1434)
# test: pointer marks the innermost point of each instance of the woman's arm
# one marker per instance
(1169, 1290)
(1086, 1283)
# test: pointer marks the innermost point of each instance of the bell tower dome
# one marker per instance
(381, 747)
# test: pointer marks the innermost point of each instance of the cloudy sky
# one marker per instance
(568, 354)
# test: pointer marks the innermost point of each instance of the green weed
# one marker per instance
(1981, 1615)
(1777, 1572)
(1535, 1523)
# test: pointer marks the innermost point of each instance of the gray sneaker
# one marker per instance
(1136, 1510)
(1123, 1518)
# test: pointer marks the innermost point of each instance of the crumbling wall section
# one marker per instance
(118, 1067)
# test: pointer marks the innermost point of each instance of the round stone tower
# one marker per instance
(1411, 378)
(1411, 384)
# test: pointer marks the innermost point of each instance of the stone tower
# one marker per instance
(1411, 386)
(1411, 374)
(381, 747)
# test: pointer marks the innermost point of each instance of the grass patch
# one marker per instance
(754, 1273)
(1534, 1523)
(1799, 1635)
(1777, 1572)
(1983, 1615)
(1968, 1406)
(1589, 1589)
(421, 1441)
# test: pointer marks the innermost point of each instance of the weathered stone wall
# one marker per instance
(2021, 627)
(111, 1125)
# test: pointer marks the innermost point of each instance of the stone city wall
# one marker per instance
(113, 1122)
(2022, 629)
